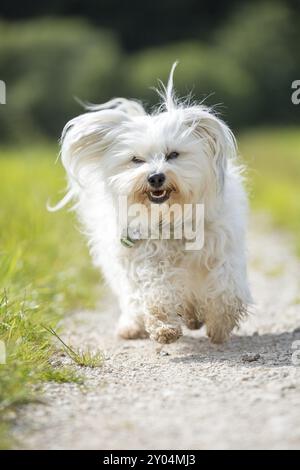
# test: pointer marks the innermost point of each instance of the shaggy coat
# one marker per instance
(109, 152)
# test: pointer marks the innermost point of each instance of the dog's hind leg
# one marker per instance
(131, 328)
(131, 323)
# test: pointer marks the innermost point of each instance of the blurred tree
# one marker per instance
(47, 63)
(203, 72)
(246, 65)
(261, 40)
(139, 24)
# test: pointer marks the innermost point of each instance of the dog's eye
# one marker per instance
(137, 160)
(172, 156)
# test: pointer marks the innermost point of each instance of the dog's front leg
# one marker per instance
(140, 319)
(151, 300)
(163, 311)
(163, 299)
(162, 327)
(131, 323)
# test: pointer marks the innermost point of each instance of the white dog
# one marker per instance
(182, 154)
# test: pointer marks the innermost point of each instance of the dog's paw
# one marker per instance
(193, 324)
(131, 331)
(166, 334)
(217, 335)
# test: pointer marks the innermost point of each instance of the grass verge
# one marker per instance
(85, 358)
(273, 157)
(44, 272)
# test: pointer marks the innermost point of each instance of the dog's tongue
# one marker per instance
(158, 193)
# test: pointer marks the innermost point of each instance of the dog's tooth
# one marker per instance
(159, 196)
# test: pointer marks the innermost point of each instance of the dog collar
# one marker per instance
(127, 241)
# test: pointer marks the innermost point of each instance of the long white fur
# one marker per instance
(158, 283)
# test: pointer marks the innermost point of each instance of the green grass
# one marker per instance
(85, 358)
(273, 157)
(44, 273)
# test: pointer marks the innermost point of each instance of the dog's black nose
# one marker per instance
(156, 180)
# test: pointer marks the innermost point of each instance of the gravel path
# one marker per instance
(188, 395)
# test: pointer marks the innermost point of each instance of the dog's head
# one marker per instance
(177, 154)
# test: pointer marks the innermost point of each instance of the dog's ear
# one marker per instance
(217, 140)
(87, 137)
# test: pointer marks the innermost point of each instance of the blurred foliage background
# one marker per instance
(241, 55)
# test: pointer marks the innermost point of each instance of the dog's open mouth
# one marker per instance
(159, 196)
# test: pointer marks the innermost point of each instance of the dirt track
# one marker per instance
(189, 395)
